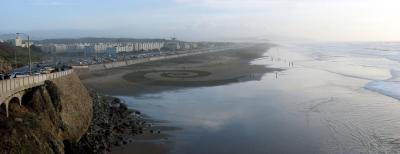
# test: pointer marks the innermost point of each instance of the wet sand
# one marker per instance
(151, 148)
(193, 71)
(307, 108)
(211, 69)
(148, 142)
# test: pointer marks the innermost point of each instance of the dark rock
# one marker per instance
(112, 121)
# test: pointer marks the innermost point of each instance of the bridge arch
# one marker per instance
(4, 107)
(16, 87)
(16, 98)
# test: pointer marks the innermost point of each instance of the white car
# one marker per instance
(18, 75)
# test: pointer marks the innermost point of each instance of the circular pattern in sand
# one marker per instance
(179, 74)
(175, 74)
(186, 78)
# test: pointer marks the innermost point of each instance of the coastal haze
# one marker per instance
(206, 20)
(200, 76)
(333, 100)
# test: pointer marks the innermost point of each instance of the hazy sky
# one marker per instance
(337, 20)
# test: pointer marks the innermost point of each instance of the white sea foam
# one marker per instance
(377, 62)
(390, 87)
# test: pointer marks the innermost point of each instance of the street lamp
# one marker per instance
(15, 59)
(29, 52)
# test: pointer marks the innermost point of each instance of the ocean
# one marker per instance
(329, 98)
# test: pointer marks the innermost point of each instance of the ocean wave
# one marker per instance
(390, 87)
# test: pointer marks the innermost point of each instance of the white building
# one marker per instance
(25, 45)
(18, 41)
(48, 48)
(172, 46)
(60, 47)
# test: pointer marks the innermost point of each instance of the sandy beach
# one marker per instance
(193, 71)
(252, 101)
(210, 69)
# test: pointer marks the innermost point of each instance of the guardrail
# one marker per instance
(10, 86)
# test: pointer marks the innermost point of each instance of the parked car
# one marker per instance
(36, 73)
(3, 76)
(49, 69)
(44, 71)
(18, 75)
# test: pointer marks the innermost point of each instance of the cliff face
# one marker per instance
(51, 119)
(76, 105)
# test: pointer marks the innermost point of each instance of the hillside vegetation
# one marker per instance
(7, 54)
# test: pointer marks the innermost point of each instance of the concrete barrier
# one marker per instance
(15, 87)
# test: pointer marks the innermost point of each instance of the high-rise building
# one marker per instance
(18, 41)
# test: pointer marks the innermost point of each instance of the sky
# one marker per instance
(202, 20)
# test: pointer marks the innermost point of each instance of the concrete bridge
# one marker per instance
(16, 88)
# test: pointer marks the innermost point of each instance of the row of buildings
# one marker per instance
(101, 47)
(116, 47)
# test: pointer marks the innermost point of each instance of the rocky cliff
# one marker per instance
(113, 124)
(51, 119)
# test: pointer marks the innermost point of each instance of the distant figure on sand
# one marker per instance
(291, 64)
